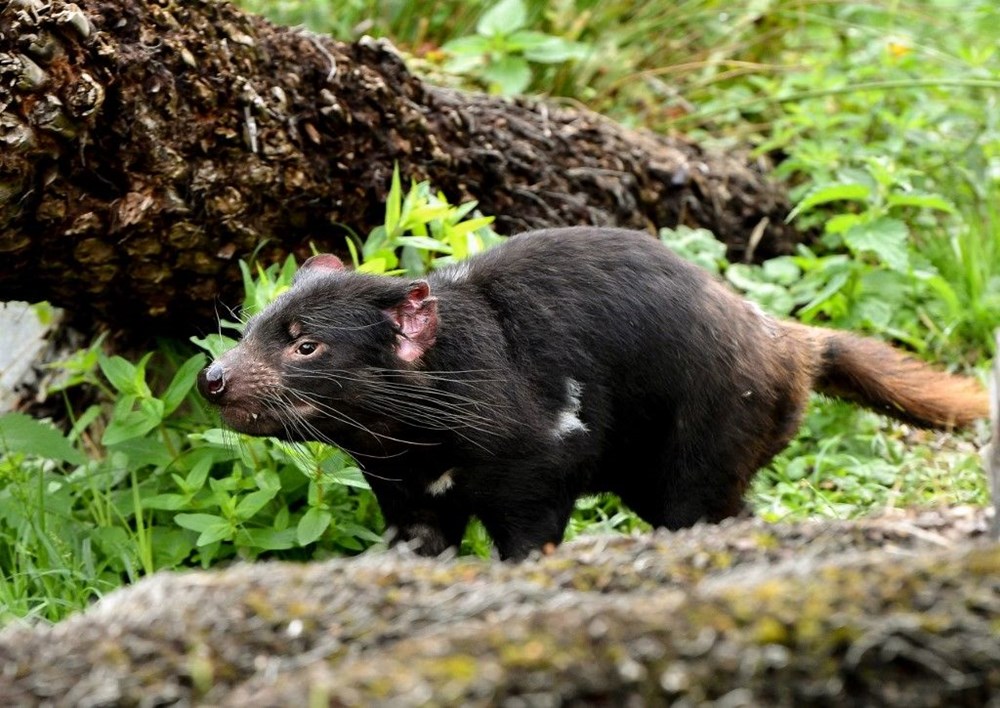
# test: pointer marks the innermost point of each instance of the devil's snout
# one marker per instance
(212, 381)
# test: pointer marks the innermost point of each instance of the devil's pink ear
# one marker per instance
(416, 319)
(323, 261)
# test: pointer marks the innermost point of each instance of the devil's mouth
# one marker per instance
(264, 421)
(251, 421)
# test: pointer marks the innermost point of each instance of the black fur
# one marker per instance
(684, 390)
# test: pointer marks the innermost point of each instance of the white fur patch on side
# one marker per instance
(442, 484)
(568, 420)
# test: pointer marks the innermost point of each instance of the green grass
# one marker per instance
(881, 117)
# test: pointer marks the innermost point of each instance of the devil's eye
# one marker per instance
(307, 348)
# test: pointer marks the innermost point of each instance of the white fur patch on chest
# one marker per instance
(442, 484)
(568, 421)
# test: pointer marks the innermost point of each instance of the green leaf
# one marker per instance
(359, 531)
(348, 476)
(886, 238)
(24, 434)
(198, 522)
(167, 502)
(170, 547)
(254, 502)
(833, 286)
(781, 270)
(841, 223)
(823, 194)
(215, 344)
(510, 75)
(473, 45)
(267, 539)
(503, 18)
(748, 279)
(219, 532)
(550, 50)
(424, 243)
(922, 200)
(312, 525)
(127, 424)
(199, 473)
(393, 203)
(120, 372)
(212, 528)
(182, 383)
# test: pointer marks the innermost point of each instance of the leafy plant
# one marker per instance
(882, 118)
(501, 51)
(421, 231)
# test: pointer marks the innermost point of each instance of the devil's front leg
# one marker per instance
(429, 523)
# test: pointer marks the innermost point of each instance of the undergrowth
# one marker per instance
(881, 117)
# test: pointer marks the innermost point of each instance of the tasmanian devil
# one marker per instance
(561, 363)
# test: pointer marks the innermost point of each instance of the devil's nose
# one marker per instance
(212, 381)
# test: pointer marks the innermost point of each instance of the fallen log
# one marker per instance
(147, 146)
(898, 610)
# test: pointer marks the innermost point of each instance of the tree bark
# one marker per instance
(893, 611)
(147, 145)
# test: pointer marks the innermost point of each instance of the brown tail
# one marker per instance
(875, 375)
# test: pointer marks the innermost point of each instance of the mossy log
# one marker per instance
(899, 610)
(148, 145)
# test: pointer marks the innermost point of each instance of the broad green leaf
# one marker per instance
(195, 479)
(167, 502)
(281, 520)
(376, 266)
(781, 270)
(503, 18)
(120, 372)
(267, 539)
(473, 45)
(922, 200)
(773, 298)
(699, 246)
(24, 434)
(362, 532)
(510, 74)
(841, 223)
(424, 243)
(347, 476)
(312, 525)
(215, 344)
(254, 502)
(170, 547)
(126, 424)
(552, 50)
(470, 225)
(884, 237)
(132, 425)
(199, 522)
(874, 312)
(832, 287)
(218, 437)
(464, 64)
(823, 194)
(182, 383)
(217, 532)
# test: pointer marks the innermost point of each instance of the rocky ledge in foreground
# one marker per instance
(901, 609)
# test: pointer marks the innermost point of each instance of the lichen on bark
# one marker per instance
(900, 610)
